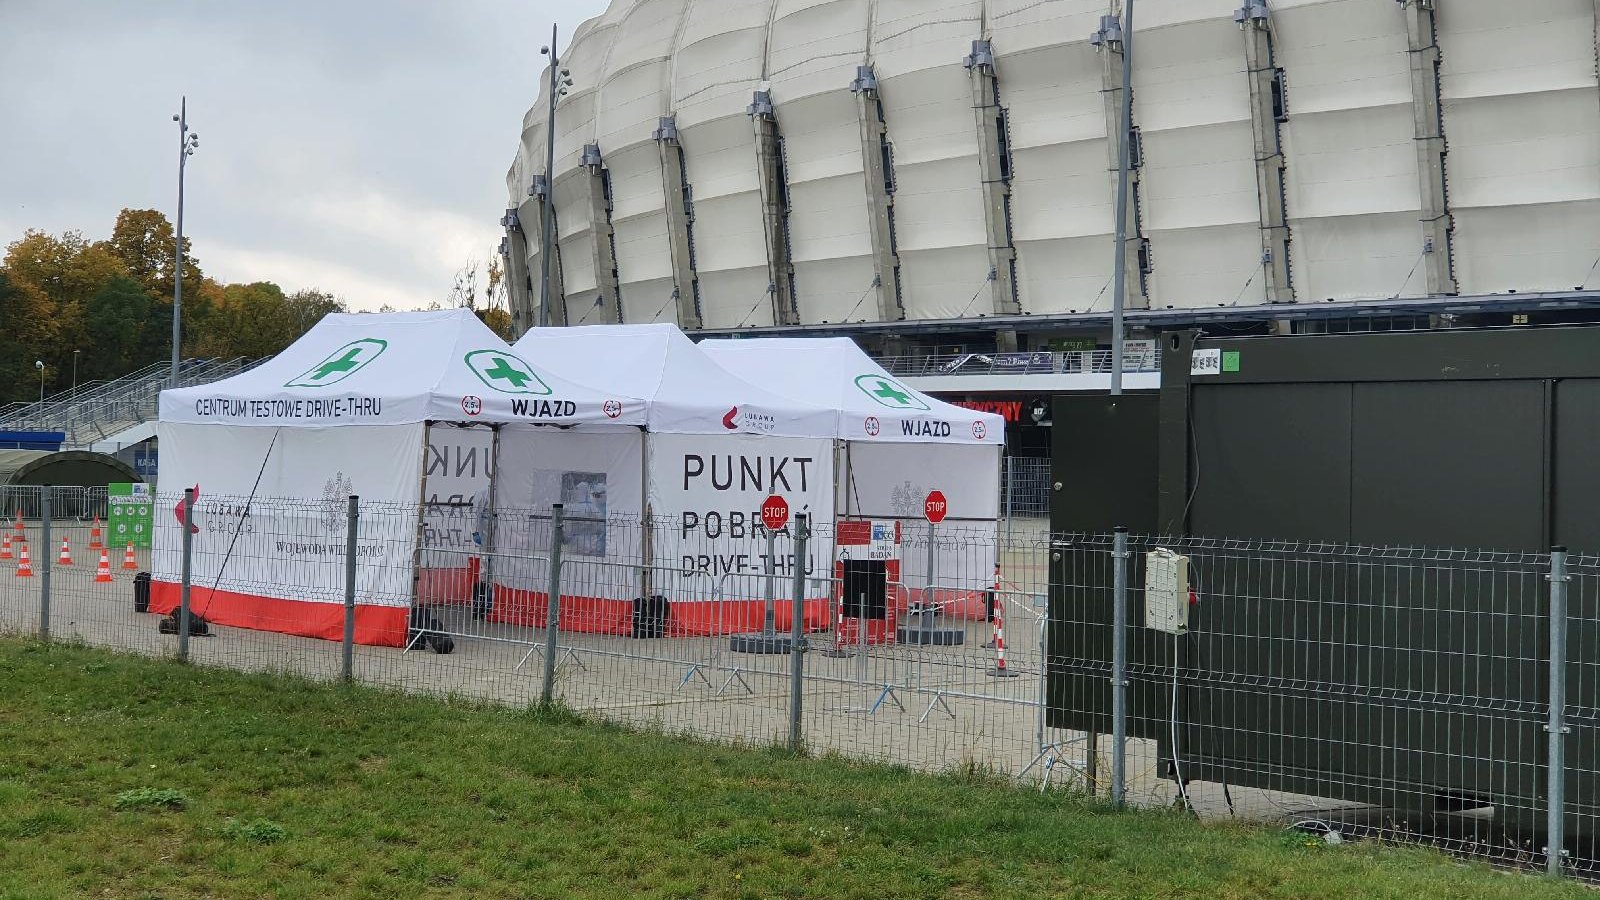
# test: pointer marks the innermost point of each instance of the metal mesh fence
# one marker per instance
(1368, 692)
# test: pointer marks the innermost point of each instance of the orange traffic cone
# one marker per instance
(94, 536)
(102, 575)
(65, 559)
(18, 527)
(5, 546)
(128, 562)
(24, 566)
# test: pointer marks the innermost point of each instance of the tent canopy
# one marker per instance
(398, 368)
(871, 405)
(686, 391)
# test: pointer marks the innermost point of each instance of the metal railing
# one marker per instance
(100, 411)
(1448, 698)
(1043, 362)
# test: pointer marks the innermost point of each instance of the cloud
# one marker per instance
(363, 289)
(359, 148)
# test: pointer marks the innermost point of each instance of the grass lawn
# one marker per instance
(124, 777)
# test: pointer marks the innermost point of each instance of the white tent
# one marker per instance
(714, 448)
(347, 409)
(901, 444)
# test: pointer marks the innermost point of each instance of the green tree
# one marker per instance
(66, 271)
(144, 240)
(25, 310)
(260, 320)
(115, 320)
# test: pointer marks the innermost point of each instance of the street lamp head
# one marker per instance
(39, 364)
(544, 51)
(174, 117)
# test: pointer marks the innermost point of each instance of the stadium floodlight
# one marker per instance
(188, 142)
(1110, 33)
(560, 81)
(1253, 12)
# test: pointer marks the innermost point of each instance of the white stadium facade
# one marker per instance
(914, 167)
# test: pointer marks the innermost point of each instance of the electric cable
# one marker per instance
(1177, 770)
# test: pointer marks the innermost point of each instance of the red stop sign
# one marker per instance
(935, 507)
(774, 512)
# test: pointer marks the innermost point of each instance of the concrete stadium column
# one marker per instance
(879, 168)
(1267, 112)
(519, 288)
(994, 164)
(1438, 225)
(680, 221)
(605, 241)
(1111, 91)
(775, 209)
(541, 207)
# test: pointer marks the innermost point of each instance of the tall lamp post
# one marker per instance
(187, 142)
(559, 82)
(1120, 33)
(39, 364)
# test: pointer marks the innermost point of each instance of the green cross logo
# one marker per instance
(500, 371)
(341, 364)
(887, 392)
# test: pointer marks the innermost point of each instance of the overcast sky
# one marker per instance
(358, 147)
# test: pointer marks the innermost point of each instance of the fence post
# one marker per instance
(553, 611)
(1556, 768)
(46, 562)
(1011, 485)
(347, 661)
(797, 640)
(1119, 668)
(188, 570)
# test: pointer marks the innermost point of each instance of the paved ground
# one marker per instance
(944, 709)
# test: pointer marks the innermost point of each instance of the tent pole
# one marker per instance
(422, 521)
(492, 528)
(646, 545)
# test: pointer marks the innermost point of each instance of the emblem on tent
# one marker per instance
(471, 405)
(335, 501)
(888, 392)
(980, 430)
(612, 408)
(505, 373)
(872, 426)
(341, 364)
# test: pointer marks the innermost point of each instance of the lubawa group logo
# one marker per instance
(341, 364)
(759, 422)
(887, 392)
(505, 373)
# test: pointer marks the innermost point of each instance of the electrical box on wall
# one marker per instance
(1166, 591)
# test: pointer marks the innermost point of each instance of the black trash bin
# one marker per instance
(650, 616)
(141, 592)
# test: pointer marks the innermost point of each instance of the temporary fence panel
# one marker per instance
(241, 477)
(893, 481)
(708, 493)
(598, 477)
